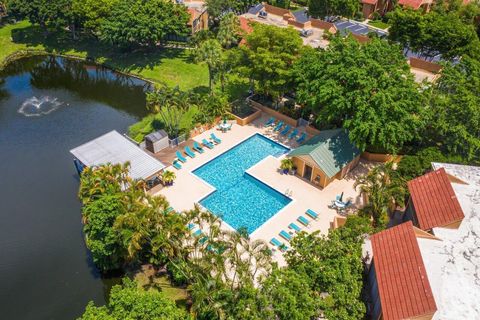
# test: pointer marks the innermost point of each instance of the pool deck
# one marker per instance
(189, 189)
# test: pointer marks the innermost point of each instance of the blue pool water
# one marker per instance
(240, 199)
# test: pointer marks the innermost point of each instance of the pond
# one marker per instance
(48, 106)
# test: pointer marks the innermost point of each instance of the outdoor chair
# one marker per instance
(285, 235)
(278, 244)
(294, 227)
(293, 134)
(207, 144)
(303, 221)
(285, 130)
(269, 122)
(278, 126)
(215, 138)
(197, 147)
(312, 214)
(180, 157)
(302, 138)
(189, 152)
(176, 165)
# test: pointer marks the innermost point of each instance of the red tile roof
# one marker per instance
(414, 4)
(402, 280)
(434, 200)
(245, 25)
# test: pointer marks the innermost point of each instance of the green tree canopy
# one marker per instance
(134, 23)
(454, 109)
(210, 51)
(324, 8)
(133, 303)
(92, 13)
(268, 58)
(366, 88)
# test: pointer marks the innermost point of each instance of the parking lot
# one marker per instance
(355, 27)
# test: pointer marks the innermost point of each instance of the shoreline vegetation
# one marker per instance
(165, 65)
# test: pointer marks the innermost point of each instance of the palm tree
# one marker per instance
(210, 52)
(229, 30)
(383, 189)
(168, 177)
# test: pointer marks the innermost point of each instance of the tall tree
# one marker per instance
(229, 30)
(326, 8)
(130, 302)
(383, 189)
(269, 55)
(210, 52)
(92, 13)
(366, 88)
(134, 23)
(454, 109)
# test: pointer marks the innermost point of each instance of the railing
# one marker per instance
(176, 141)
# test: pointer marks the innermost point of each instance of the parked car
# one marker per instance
(306, 32)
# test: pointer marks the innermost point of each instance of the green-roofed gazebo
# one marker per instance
(327, 156)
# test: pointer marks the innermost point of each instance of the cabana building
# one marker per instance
(114, 148)
(325, 157)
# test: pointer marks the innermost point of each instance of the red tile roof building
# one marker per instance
(416, 4)
(399, 277)
(433, 202)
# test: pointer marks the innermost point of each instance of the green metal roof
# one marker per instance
(330, 149)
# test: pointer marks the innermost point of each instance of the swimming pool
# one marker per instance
(240, 199)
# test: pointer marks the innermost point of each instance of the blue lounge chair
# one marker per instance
(207, 144)
(312, 214)
(203, 240)
(293, 134)
(285, 130)
(180, 157)
(294, 227)
(303, 220)
(270, 121)
(215, 138)
(197, 147)
(169, 209)
(278, 126)
(278, 244)
(176, 165)
(285, 235)
(197, 233)
(189, 152)
(302, 138)
(191, 226)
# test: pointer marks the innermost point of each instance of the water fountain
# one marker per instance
(36, 107)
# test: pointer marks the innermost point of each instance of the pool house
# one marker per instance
(114, 148)
(325, 157)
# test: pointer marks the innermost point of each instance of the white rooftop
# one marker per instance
(114, 148)
(453, 264)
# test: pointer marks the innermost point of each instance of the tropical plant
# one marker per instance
(168, 177)
(170, 104)
(210, 52)
(229, 30)
(128, 301)
(327, 8)
(286, 165)
(383, 189)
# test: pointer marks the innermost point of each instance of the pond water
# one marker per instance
(48, 106)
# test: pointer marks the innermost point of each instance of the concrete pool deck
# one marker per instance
(189, 189)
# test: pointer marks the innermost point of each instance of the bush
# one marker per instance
(376, 16)
(175, 273)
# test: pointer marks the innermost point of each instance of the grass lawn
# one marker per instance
(379, 24)
(170, 66)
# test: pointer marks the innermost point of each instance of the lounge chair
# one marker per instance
(303, 221)
(169, 209)
(285, 235)
(302, 138)
(269, 122)
(293, 134)
(190, 226)
(207, 144)
(215, 138)
(285, 130)
(180, 157)
(203, 240)
(176, 165)
(278, 244)
(312, 214)
(197, 147)
(294, 227)
(278, 126)
(189, 152)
